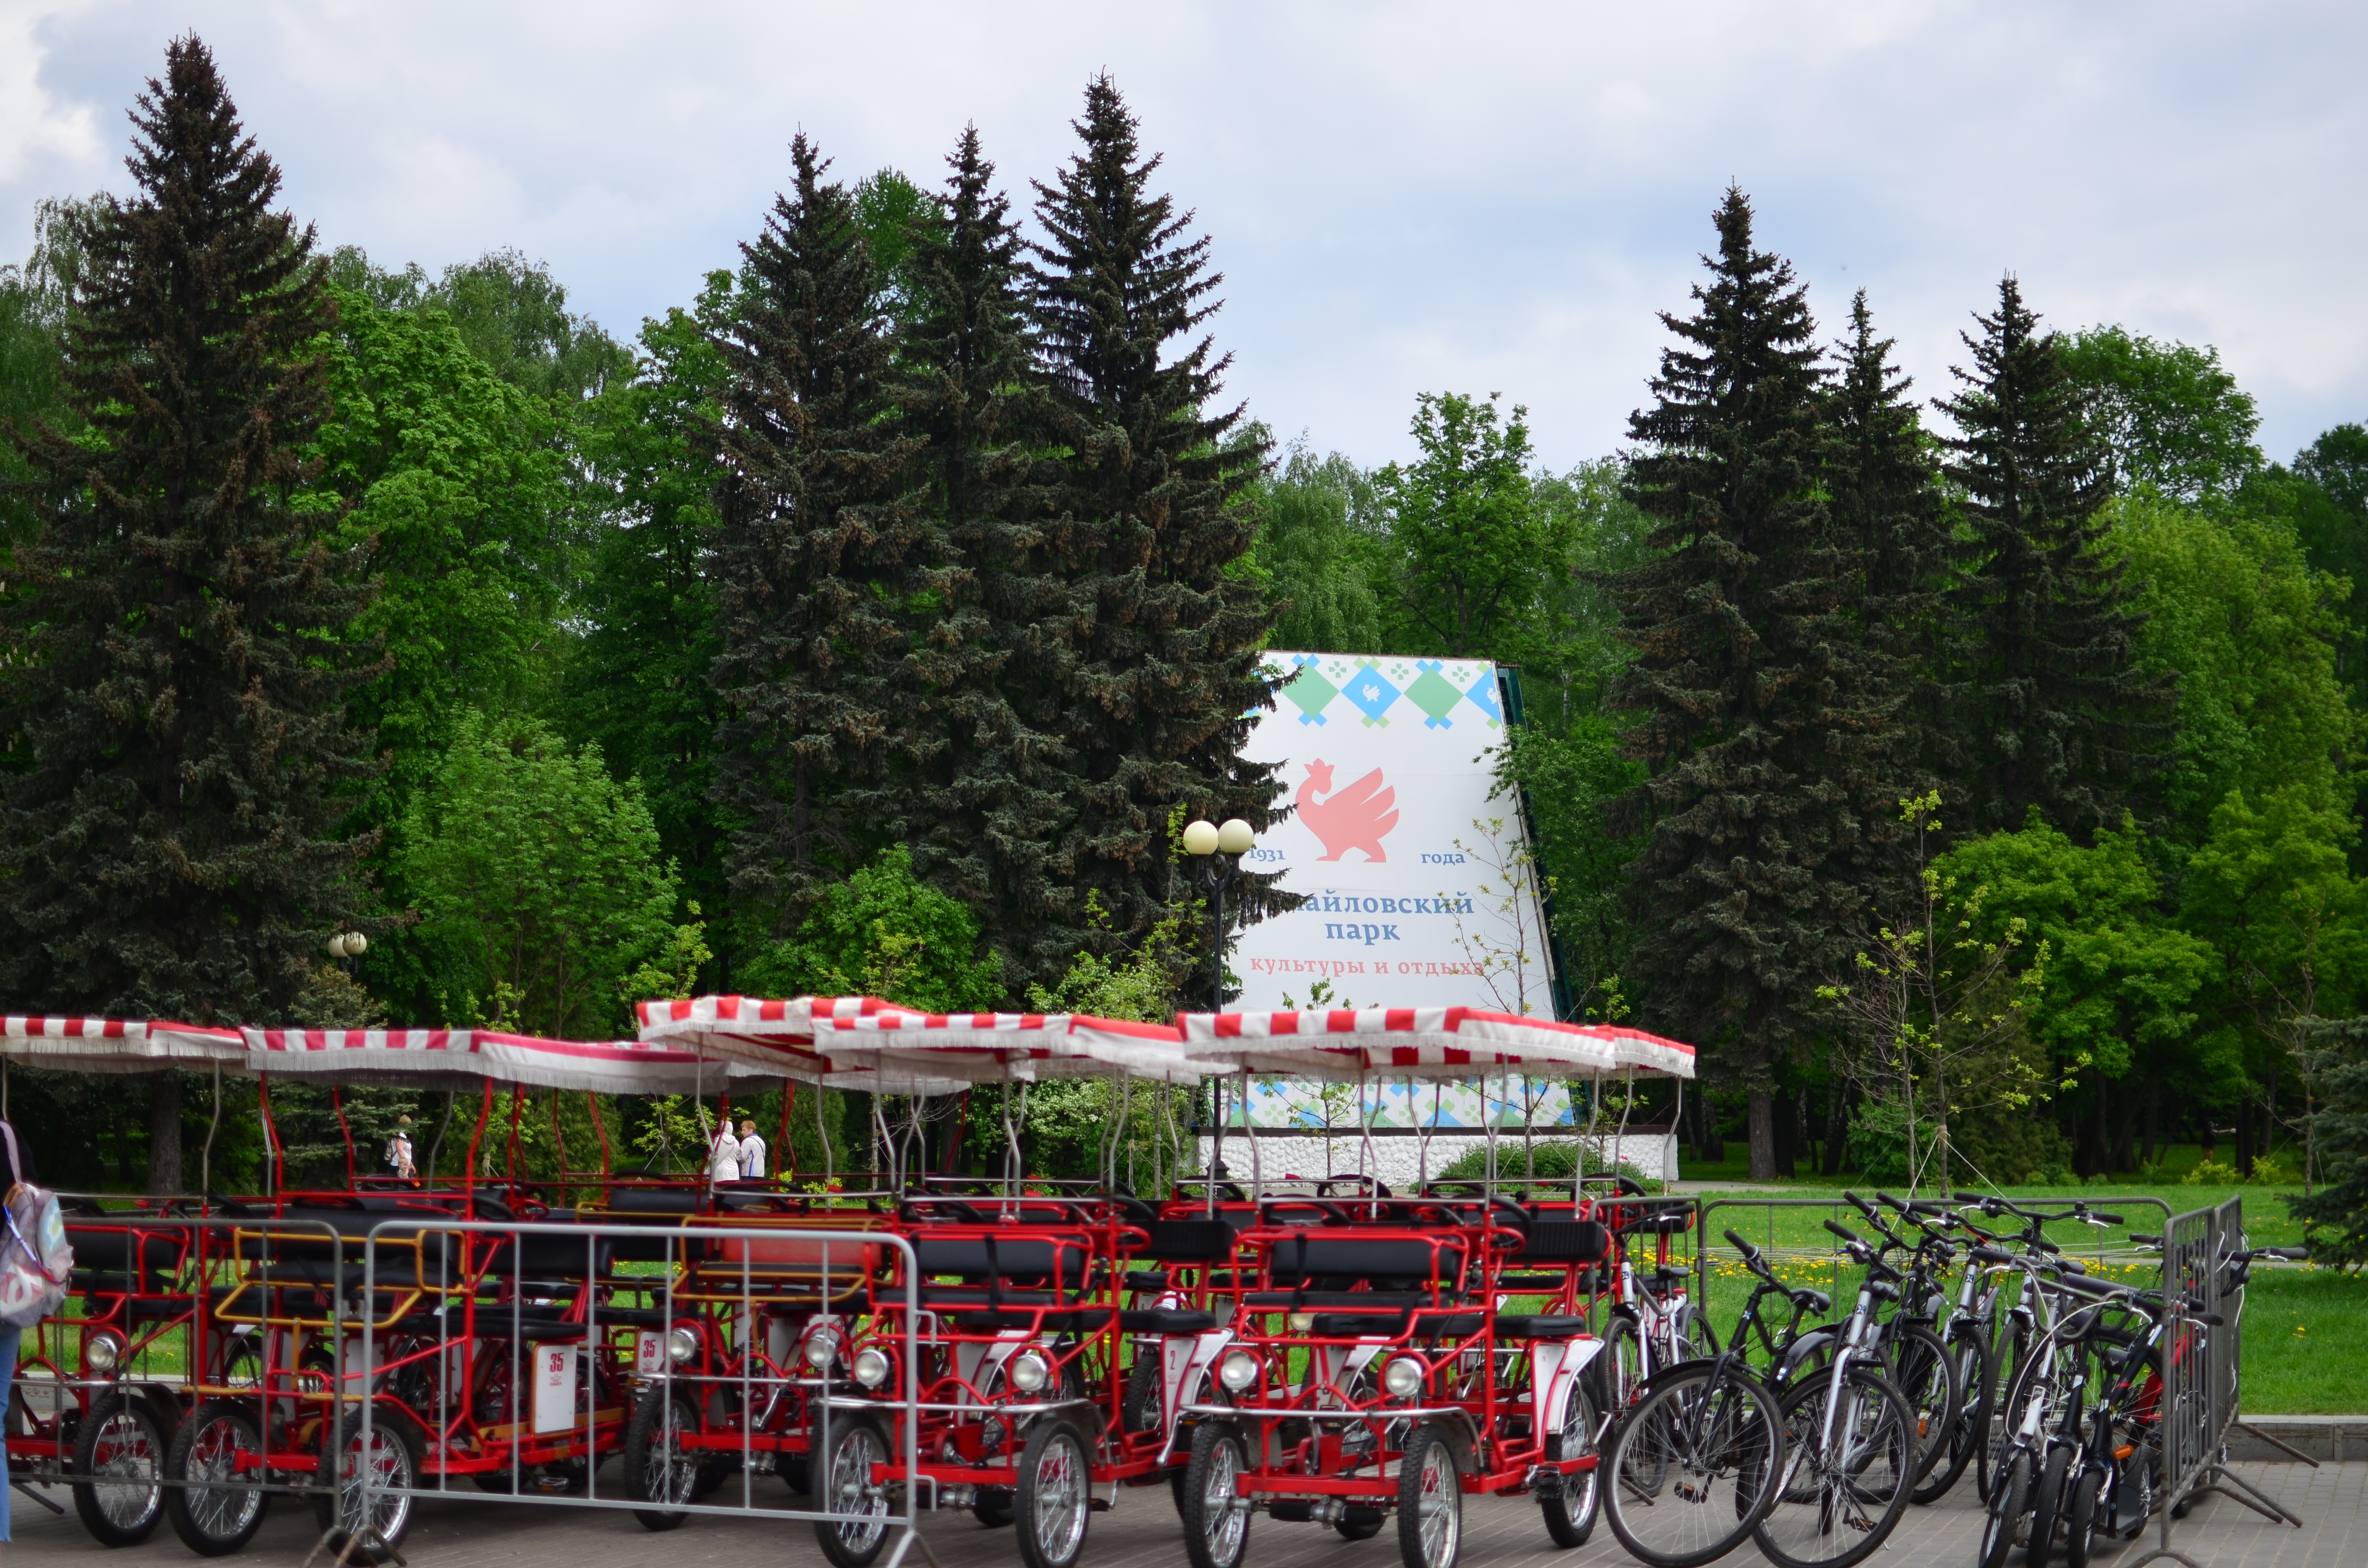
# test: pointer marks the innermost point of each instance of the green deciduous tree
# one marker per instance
(2234, 615)
(883, 932)
(34, 300)
(1152, 518)
(178, 637)
(2171, 414)
(635, 680)
(1323, 555)
(1480, 551)
(2272, 889)
(452, 476)
(2056, 711)
(2123, 982)
(1754, 728)
(538, 880)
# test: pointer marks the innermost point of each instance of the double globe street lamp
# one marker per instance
(1216, 865)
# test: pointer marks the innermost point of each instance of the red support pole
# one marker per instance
(337, 1103)
(485, 1114)
(784, 1160)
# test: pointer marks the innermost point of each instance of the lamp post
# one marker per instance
(1217, 865)
(347, 945)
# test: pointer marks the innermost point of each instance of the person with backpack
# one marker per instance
(35, 1262)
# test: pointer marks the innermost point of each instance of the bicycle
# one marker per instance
(1850, 1436)
(1693, 1458)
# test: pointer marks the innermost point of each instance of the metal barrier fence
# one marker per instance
(723, 1339)
(200, 1288)
(2202, 1371)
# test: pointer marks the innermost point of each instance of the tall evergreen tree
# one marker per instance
(1762, 747)
(1890, 520)
(2056, 712)
(983, 804)
(1153, 514)
(177, 638)
(820, 541)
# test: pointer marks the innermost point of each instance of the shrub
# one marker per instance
(1552, 1160)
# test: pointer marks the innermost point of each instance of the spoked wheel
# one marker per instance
(1430, 1501)
(1847, 1472)
(120, 1449)
(387, 1457)
(1619, 1368)
(853, 1445)
(2047, 1500)
(2084, 1519)
(1216, 1517)
(2009, 1508)
(658, 1469)
(1054, 1497)
(1974, 1400)
(1922, 1369)
(1688, 1471)
(1570, 1509)
(218, 1457)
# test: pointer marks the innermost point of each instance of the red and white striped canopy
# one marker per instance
(452, 1056)
(776, 1037)
(1005, 1047)
(1427, 1042)
(118, 1045)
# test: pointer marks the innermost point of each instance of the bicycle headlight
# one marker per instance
(1238, 1372)
(1403, 1377)
(872, 1366)
(681, 1344)
(102, 1351)
(1030, 1371)
(822, 1347)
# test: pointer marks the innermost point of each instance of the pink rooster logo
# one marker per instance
(1356, 818)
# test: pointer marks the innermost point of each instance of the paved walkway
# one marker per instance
(469, 1532)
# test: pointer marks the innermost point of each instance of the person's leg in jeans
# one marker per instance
(8, 1335)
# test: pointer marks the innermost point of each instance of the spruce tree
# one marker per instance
(1163, 654)
(1882, 491)
(819, 542)
(2055, 712)
(1762, 809)
(983, 804)
(177, 642)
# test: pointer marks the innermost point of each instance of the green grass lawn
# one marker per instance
(2306, 1345)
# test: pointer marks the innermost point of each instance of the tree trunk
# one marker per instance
(2126, 1126)
(2152, 1118)
(2245, 1140)
(164, 1134)
(1763, 1135)
(1837, 1127)
(1782, 1118)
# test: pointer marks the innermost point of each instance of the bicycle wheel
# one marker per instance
(1970, 1352)
(1847, 1472)
(1922, 1368)
(1619, 1366)
(1691, 1462)
(2009, 1509)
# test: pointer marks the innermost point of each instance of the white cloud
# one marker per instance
(1402, 196)
(35, 131)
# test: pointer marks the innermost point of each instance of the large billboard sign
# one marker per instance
(1415, 869)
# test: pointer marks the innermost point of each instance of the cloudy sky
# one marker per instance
(1402, 198)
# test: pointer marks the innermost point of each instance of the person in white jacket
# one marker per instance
(723, 1160)
(752, 1153)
